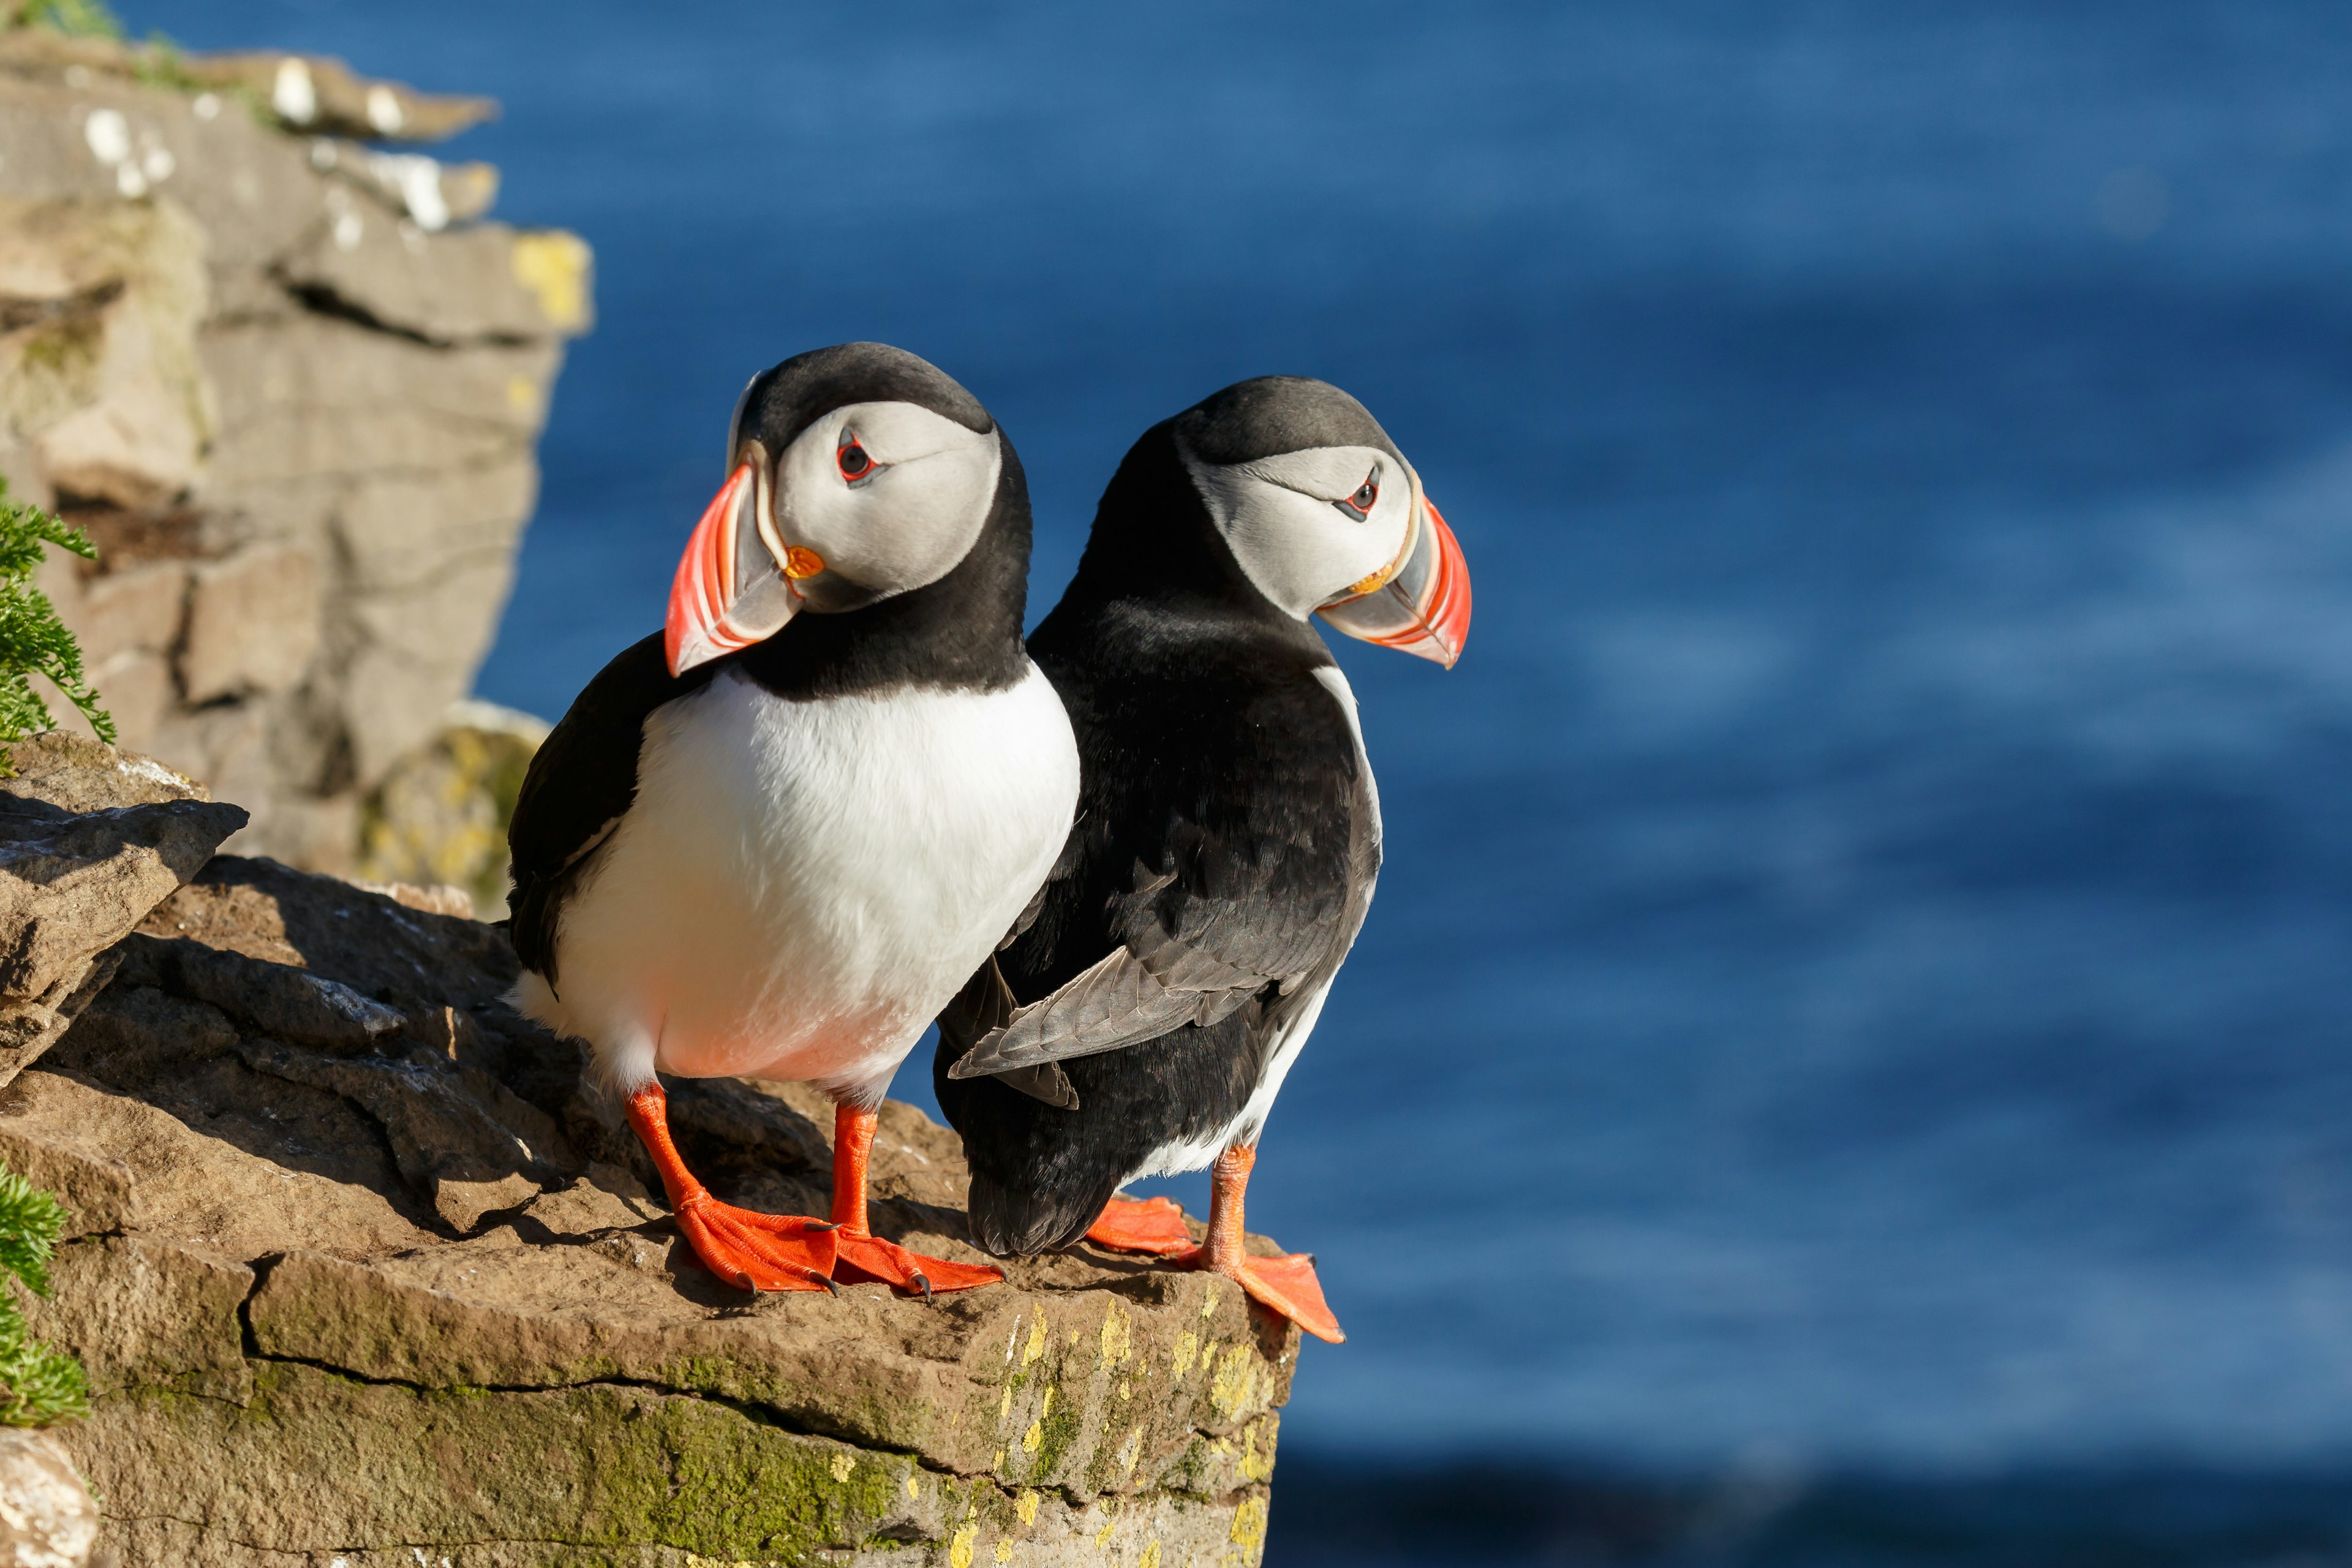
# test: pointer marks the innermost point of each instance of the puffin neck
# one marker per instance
(962, 633)
(1153, 538)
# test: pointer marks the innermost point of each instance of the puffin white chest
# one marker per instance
(800, 887)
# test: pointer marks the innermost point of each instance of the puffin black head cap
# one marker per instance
(855, 473)
(1324, 515)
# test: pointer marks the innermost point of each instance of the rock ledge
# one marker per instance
(364, 1276)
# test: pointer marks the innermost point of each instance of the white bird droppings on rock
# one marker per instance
(109, 135)
(383, 110)
(293, 95)
(417, 178)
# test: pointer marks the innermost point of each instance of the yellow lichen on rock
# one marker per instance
(440, 818)
(1236, 1381)
(1116, 1340)
(1256, 1465)
(553, 264)
(1249, 1523)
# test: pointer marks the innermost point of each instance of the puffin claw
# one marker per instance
(870, 1256)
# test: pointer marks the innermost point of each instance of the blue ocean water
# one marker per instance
(1858, 987)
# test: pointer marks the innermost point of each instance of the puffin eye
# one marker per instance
(1360, 505)
(856, 465)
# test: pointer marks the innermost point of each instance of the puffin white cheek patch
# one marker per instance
(1282, 519)
(908, 518)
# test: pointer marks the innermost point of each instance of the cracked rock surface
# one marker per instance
(90, 840)
(362, 1274)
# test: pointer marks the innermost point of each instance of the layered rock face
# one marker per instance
(363, 1273)
(290, 383)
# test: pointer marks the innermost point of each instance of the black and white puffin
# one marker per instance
(1142, 1020)
(776, 838)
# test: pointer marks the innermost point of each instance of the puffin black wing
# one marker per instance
(580, 784)
(1226, 876)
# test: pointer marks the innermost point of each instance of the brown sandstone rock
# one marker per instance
(47, 1518)
(90, 840)
(291, 386)
(74, 772)
(253, 624)
(134, 610)
(317, 92)
(363, 1270)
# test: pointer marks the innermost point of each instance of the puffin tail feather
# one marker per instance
(1008, 1222)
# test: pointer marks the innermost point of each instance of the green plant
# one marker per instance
(32, 641)
(83, 18)
(38, 1383)
(159, 62)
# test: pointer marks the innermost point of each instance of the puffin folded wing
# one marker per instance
(582, 781)
(1118, 1001)
(980, 1011)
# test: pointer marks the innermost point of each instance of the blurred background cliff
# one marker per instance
(288, 377)
(1848, 1064)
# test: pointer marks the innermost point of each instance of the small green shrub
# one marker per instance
(32, 641)
(82, 18)
(38, 1383)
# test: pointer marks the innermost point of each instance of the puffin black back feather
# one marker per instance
(1227, 843)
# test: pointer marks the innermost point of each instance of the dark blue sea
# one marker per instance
(1850, 1064)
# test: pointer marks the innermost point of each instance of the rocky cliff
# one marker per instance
(363, 1274)
(288, 378)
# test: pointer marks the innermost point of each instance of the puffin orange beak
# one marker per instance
(1422, 604)
(728, 591)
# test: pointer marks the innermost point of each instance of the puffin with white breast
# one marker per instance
(775, 839)
(1142, 1018)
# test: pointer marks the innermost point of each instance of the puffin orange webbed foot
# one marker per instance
(748, 1250)
(1285, 1284)
(1155, 1225)
(756, 1251)
(871, 1257)
(857, 1248)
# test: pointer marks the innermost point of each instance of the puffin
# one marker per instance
(1141, 1016)
(774, 839)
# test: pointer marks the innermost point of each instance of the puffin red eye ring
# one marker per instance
(856, 465)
